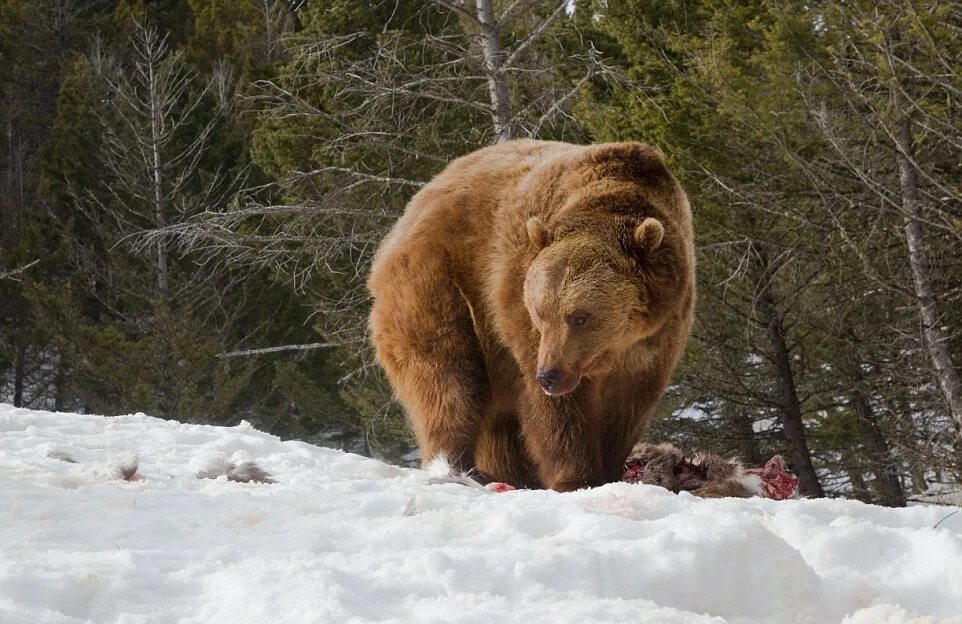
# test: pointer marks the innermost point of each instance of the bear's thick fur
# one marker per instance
(531, 304)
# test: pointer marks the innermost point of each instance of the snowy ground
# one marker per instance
(341, 538)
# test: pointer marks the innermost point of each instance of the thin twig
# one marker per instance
(945, 518)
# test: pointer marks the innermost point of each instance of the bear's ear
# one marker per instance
(538, 234)
(648, 234)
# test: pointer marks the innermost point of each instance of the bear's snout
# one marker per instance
(549, 378)
(555, 382)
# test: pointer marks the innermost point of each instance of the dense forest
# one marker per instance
(191, 192)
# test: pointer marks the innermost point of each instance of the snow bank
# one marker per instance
(342, 538)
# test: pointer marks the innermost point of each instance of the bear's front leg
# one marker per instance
(563, 437)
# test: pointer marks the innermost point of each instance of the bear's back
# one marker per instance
(453, 214)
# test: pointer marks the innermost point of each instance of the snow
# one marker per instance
(343, 538)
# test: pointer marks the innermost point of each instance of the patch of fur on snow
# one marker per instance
(126, 470)
(62, 456)
(243, 472)
(114, 468)
(442, 472)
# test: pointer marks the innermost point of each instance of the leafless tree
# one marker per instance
(157, 118)
(154, 139)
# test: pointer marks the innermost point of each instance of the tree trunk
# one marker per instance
(157, 174)
(857, 479)
(19, 374)
(919, 484)
(747, 446)
(494, 67)
(268, 31)
(60, 386)
(936, 338)
(886, 480)
(790, 406)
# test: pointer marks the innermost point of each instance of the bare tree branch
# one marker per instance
(282, 348)
(534, 35)
(12, 273)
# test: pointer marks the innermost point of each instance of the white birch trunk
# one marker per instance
(936, 338)
(494, 66)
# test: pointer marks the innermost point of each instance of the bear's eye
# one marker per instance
(577, 320)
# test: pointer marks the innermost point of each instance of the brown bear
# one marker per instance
(530, 305)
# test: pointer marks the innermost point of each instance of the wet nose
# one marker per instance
(549, 378)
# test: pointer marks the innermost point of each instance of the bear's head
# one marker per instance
(592, 291)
